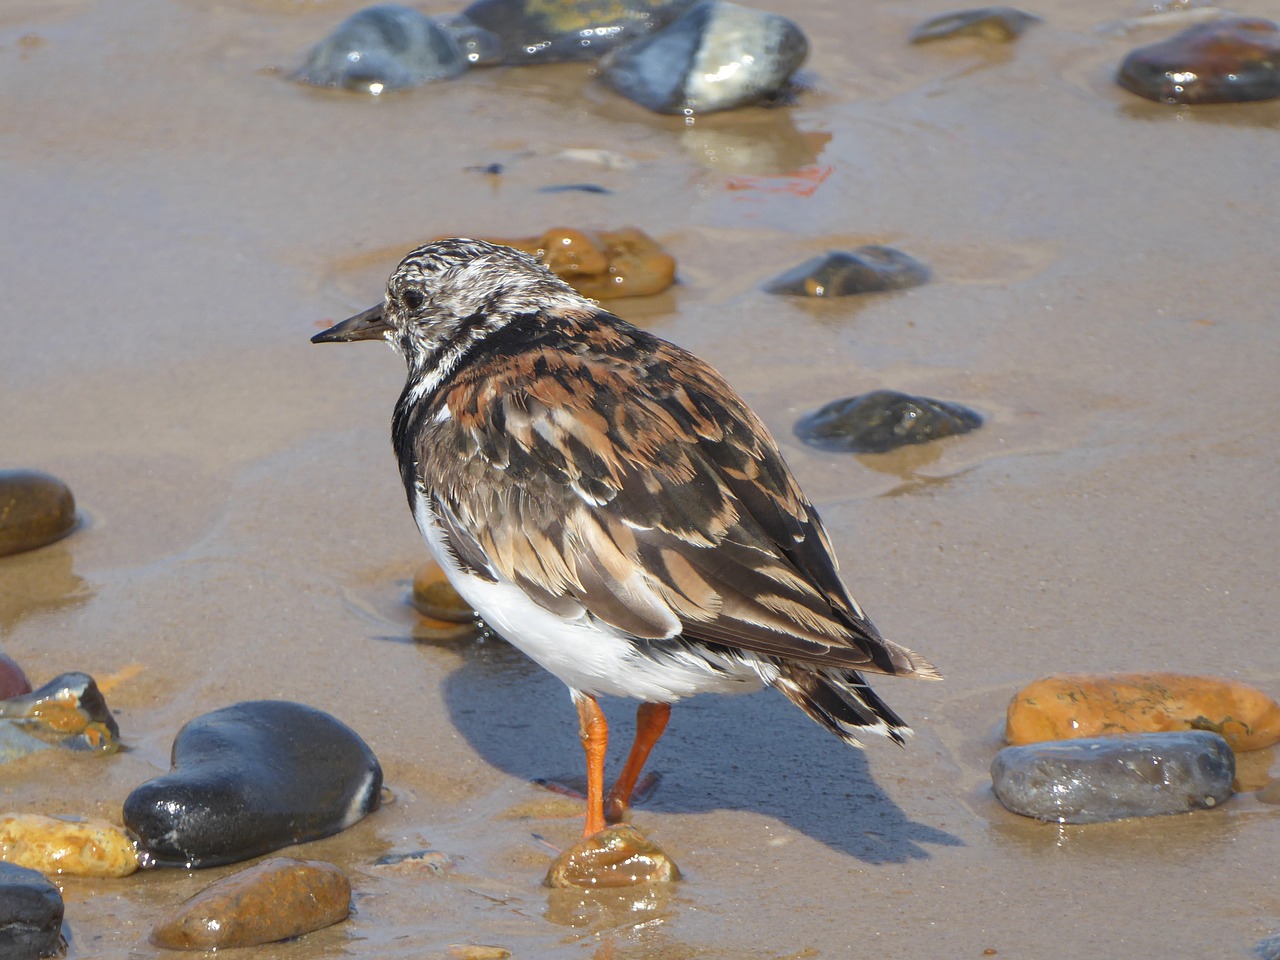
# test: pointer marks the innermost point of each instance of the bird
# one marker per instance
(608, 504)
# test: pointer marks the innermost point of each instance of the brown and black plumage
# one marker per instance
(610, 505)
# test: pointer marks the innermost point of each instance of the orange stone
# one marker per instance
(77, 848)
(603, 264)
(1067, 706)
(618, 856)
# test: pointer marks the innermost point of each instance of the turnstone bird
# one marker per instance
(607, 503)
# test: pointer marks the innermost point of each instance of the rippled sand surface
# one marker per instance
(179, 220)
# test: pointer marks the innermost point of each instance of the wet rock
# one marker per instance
(868, 269)
(30, 915)
(618, 856)
(69, 711)
(1065, 706)
(884, 420)
(417, 862)
(1268, 948)
(998, 24)
(479, 47)
(477, 951)
(716, 57)
(387, 47)
(534, 31)
(35, 509)
(251, 778)
(12, 680)
(435, 597)
(274, 900)
(77, 848)
(603, 264)
(1111, 778)
(1225, 61)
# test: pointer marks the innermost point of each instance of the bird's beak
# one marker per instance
(369, 325)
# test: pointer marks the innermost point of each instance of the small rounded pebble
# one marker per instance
(535, 31)
(30, 915)
(1112, 778)
(618, 856)
(998, 24)
(251, 778)
(1225, 61)
(603, 264)
(77, 848)
(868, 269)
(12, 680)
(479, 47)
(35, 509)
(718, 56)
(884, 420)
(382, 48)
(273, 900)
(477, 951)
(431, 862)
(1065, 706)
(434, 596)
(69, 711)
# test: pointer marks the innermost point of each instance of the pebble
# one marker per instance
(12, 680)
(417, 862)
(884, 420)
(434, 596)
(479, 47)
(717, 56)
(998, 24)
(836, 273)
(535, 31)
(604, 264)
(69, 711)
(1111, 778)
(1224, 61)
(77, 848)
(273, 900)
(477, 951)
(618, 856)
(1064, 706)
(387, 47)
(251, 778)
(30, 915)
(35, 509)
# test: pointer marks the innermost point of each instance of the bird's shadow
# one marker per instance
(752, 752)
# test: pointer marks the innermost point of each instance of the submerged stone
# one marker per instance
(434, 596)
(388, 47)
(77, 848)
(251, 778)
(69, 711)
(35, 509)
(1112, 778)
(618, 856)
(603, 264)
(1224, 61)
(999, 24)
(718, 56)
(539, 31)
(1065, 706)
(273, 900)
(30, 915)
(479, 47)
(884, 420)
(836, 273)
(12, 680)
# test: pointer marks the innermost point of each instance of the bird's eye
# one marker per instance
(413, 299)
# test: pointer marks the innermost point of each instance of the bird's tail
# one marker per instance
(840, 700)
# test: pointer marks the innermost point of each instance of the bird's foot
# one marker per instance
(618, 856)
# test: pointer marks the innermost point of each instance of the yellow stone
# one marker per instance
(618, 856)
(79, 848)
(603, 264)
(1066, 706)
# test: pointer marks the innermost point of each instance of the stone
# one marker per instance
(273, 900)
(251, 778)
(387, 47)
(12, 680)
(69, 711)
(836, 273)
(477, 951)
(434, 596)
(1112, 778)
(603, 264)
(539, 31)
(884, 420)
(30, 915)
(417, 862)
(1064, 706)
(76, 848)
(998, 24)
(717, 56)
(1224, 61)
(35, 509)
(479, 47)
(618, 856)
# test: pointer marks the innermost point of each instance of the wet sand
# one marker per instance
(180, 220)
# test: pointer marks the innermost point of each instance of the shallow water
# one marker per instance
(181, 220)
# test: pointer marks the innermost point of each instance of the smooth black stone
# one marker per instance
(388, 47)
(535, 31)
(251, 778)
(884, 420)
(868, 269)
(1001, 24)
(30, 914)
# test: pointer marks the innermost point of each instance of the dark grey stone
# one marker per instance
(1001, 24)
(30, 915)
(867, 269)
(884, 420)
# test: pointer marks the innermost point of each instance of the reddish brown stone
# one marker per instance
(1224, 61)
(12, 680)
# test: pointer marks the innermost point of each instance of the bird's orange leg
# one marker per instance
(651, 721)
(594, 731)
